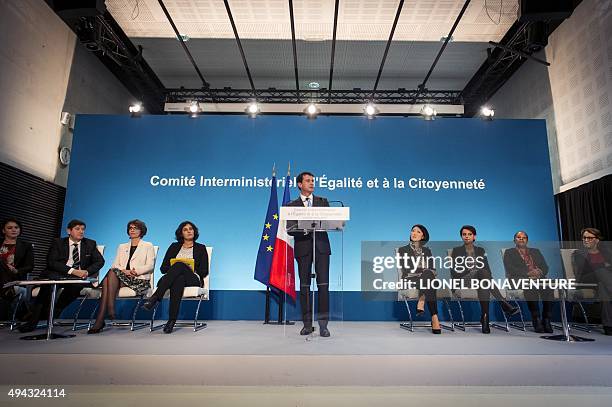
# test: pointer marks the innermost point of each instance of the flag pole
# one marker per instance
(282, 296)
(267, 307)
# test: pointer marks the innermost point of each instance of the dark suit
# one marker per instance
(90, 260)
(24, 263)
(517, 269)
(587, 272)
(420, 274)
(178, 276)
(303, 252)
(479, 273)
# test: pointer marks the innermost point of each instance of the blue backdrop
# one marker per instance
(114, 159)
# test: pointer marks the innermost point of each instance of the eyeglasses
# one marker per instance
(133, 228)
(588, 238)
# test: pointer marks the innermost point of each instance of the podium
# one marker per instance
(314, 223)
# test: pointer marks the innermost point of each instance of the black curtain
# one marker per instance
(39, 206)
(589, 205)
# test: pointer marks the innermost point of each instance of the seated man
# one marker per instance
(70, 257)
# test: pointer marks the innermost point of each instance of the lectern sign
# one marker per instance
(315, 213)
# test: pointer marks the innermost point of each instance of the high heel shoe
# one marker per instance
(436, 331)
(93, 331)
(150, 303)
(484, 322)
(169, 327)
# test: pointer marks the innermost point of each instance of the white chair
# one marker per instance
(472, 295)
(92, 292)
(199, 293)
(412, 294)
(516, 296)
(128, 293)
(587, 292)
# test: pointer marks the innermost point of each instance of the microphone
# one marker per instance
(340, 202)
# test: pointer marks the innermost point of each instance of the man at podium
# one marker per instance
(303, 252)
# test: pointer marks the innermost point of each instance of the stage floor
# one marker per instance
(247, 353)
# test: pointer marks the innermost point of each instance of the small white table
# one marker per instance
(49, 335)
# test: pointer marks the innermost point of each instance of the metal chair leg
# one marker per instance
(75, 325)
(410, 324)
(450, 327)
(152, 327)
(137, 325)
(198, 325)
(92, 315)
(460, 325)
(515, 325)
(505, 326)
(18, 302)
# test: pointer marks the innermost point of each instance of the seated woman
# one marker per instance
(593, 264)
(522, 262)
(179, 275)
(474, 255)
(418, 254)
(131, 268)
(16, 261)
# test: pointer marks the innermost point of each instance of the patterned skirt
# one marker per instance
(139, 285)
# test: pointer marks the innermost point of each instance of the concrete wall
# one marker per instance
(44, 71)
(573, 95)
(35, 60)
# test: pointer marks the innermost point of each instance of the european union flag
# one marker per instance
(267, 238)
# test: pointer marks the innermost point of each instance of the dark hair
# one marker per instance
(179, 231)
(424, 230)
(300, 177)
(7, 220)
(140, 225)
(468, 227)
(523, 232)
(592, 231)
(76, 222)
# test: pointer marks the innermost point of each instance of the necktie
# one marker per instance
(76, 259)
(308, 202)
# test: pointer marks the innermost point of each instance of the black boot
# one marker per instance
(537, 325)
(32, 323)
(169, 327)
(547, 325)
(484, 322)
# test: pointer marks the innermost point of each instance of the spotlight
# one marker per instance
(487, 113)
(136, 109)
(312, 110)
(252, 109)
(428, 112)
(370, 110)
(194, 108)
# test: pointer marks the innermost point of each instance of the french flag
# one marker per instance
(282, 271)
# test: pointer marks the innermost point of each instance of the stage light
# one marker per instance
(136, 109)
(194, 109)
(312, 110)
(370, 110)
(252, 109)
(428, 112)
(487, 113)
